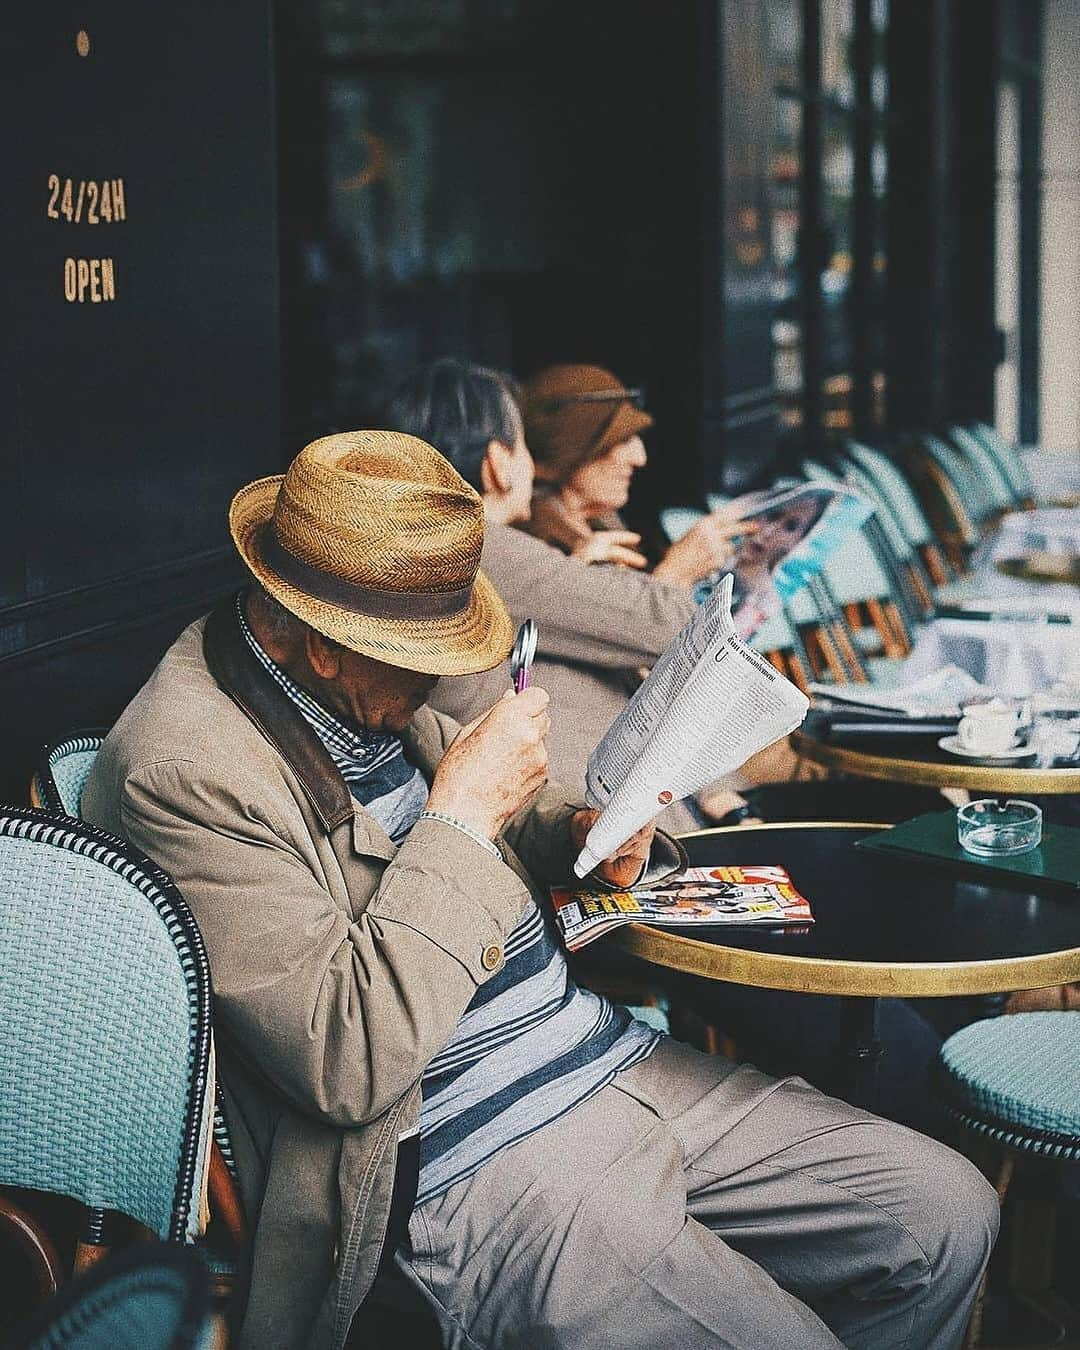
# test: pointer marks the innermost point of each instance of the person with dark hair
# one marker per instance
(599, 625)
(471, 414)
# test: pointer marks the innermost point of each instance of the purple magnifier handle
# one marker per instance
(521, 658)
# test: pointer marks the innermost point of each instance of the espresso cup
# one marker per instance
(987, 728)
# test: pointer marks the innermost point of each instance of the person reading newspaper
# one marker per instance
(414, 1081)
(708, 704)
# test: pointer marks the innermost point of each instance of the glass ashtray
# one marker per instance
(996, 829)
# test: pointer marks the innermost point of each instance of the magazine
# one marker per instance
(797, 530)
(728, 896)
(708, 704)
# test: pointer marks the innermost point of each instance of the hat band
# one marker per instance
(350, 595)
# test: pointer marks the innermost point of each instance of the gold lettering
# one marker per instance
(119, 210)
(69, 279)
(54, 192)
(91, 203)
(78, 204)
(95, 281)
(83, 270)
(65, 200)
(108, 282)
(106, 200)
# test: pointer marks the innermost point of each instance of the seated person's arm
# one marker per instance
(604, 616)
(342, 1014)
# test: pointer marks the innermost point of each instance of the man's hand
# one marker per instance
(628, 864)
(495, 764)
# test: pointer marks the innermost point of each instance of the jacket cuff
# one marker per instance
(667, 858)
(464, 900)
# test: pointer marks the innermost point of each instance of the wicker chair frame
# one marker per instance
(75, 836)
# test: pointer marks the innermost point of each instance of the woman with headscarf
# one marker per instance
(583, 426)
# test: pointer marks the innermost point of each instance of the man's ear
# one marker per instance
(494, 471)
(323, 656)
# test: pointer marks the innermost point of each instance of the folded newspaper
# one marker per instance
(708, 704)
(731, 896)
(937, 694)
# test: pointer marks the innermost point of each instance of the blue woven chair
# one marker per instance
(1013, 1083)
(887, 482)
(1004, 496)
(1009, 459)
(58, 782)
(145, 1298)
(956, 499)
(863, 577)
(57, 786)
(104, 1028)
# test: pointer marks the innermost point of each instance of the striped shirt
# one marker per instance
(531, 1045)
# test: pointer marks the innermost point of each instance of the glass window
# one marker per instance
(785, 177)
(830, 115)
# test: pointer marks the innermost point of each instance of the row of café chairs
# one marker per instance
(934, 497)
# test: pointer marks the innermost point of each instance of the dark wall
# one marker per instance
(139, 370)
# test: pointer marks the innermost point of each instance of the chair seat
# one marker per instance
(1014, 1079)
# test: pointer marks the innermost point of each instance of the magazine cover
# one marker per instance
(727, 896)
(796, 531)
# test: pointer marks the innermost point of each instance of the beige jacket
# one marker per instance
(598, 626)
(340, 962)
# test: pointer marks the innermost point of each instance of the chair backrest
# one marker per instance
(854, 572)
(975, 494)
(898, 493)
(1008, 457)
(988, 468)
(144, 1298)
(61, 776)
(105, 1016)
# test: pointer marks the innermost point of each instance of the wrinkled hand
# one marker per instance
(628, 864)
(496, 764)
(704, 548)
(611, 546)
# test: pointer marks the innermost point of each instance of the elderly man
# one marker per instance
(369, 880)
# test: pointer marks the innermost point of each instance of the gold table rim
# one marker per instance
(831, 975)
(928, 773)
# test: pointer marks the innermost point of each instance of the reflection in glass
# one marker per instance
(837, 205)
(837, 72)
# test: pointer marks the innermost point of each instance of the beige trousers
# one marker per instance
(691, 1203)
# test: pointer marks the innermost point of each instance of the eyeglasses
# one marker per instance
(634, 396)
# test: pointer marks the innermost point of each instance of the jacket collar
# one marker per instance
(234, 665)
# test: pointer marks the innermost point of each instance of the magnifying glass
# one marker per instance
(521, 658)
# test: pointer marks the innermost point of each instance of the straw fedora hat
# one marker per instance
(374, 539)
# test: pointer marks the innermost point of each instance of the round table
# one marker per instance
(918, 760)
(882, 928)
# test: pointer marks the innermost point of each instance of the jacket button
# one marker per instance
(491, 957)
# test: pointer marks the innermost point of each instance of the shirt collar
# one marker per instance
(342, 741)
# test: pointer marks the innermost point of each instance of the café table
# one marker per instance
(918, 760)
(881, 929)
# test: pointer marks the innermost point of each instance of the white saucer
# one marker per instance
(951, 745)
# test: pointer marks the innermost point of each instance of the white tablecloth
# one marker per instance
(1055, 474)
(1015, 658)
(1048, 528)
